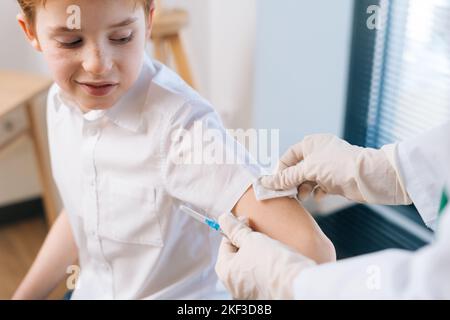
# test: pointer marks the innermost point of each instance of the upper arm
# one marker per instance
(286, 220)
(199, 183)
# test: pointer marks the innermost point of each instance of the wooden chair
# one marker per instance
(166, 39)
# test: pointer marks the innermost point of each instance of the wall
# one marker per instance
(220, 44)
(303, 49)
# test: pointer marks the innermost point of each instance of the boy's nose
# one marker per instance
(97, 62)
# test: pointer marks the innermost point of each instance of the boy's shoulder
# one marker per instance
(168, 93)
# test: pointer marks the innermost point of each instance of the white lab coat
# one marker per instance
(424, 164)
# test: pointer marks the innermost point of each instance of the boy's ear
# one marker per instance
(150, 21)
(29, 31)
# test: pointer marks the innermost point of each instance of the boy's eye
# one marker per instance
(70, 44)
(122, 40)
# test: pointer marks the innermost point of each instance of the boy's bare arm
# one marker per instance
(286, 220)
(49, 268)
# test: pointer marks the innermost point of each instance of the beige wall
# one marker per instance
(220, 43)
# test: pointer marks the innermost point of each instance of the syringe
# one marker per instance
(211, 223)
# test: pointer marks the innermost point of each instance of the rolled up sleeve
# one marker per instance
(202, 164)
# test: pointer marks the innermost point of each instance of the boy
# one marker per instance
(112, 115)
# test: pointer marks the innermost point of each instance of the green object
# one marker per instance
(444, 202)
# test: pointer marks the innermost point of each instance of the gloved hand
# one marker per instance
(254, 266)
(324, 164)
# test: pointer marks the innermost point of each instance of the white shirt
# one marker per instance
(121, 191)
(398, 274)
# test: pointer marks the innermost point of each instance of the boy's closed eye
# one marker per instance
(122, 39)
(68, 42)
(74, 42)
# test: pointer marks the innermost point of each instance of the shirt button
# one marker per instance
(92, 131)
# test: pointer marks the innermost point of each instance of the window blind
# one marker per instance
(400, 73)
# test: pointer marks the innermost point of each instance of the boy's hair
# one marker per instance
(29, 7)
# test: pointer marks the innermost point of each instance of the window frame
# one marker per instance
(363, 47)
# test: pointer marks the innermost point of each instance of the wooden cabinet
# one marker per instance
(18, 90)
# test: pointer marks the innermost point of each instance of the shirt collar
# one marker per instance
(127, 112)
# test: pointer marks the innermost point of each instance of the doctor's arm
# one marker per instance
(391, 274)
(284, 219)
(254, 266)
(323, 163)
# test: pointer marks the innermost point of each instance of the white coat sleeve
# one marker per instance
(398, 274)
(424, 164)
(390, 274)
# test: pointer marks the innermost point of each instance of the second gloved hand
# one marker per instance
(324, 163)
(254, 266)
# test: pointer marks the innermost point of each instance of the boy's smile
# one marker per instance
(97, 63)
(98, 89)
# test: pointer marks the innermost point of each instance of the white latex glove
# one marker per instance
(324, 164)
(254, 266)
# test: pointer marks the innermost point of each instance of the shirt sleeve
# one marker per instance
(424, 166)
(203, 166)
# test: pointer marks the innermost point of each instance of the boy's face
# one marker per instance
(97, 64)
